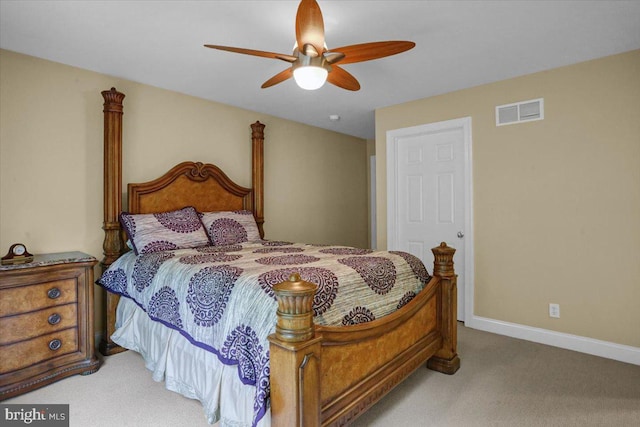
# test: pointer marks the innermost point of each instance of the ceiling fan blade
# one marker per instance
(278, 78)
(333, 57)
(341, 78)
(281, 56)
(368, 51)
(309, 27)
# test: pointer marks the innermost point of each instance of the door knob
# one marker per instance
(460, 234)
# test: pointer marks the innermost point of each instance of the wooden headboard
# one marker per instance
(203, 186)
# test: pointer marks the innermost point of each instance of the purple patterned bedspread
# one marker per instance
(220, 297)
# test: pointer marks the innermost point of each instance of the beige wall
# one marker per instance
(51, 134)
(556, 202)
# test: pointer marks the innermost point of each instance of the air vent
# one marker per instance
(525, 111)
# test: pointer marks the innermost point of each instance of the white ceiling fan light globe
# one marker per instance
(310, 77)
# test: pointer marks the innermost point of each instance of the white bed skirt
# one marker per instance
(186, 369)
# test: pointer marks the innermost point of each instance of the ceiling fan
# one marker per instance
(312, 63)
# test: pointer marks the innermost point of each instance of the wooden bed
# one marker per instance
(319, 375)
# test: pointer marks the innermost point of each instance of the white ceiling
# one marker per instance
(459, 44)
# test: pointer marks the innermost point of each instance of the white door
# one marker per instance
(429, 193)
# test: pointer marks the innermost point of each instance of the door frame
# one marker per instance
(373, 217)
(463, 123)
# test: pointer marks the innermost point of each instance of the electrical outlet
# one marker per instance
(554, 310)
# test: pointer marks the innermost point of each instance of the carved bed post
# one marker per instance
(257, 137)
(295, 357)
(446, 360)
(112, 245)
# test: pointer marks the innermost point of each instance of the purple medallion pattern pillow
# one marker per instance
(230, 227)
(157, 232)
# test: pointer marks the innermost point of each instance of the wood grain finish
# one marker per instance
(113, 111)
(113, 245)
(319, 375)
(46, 322)
(357, 365)
(446, 359)
(29, 325)
(189, 184)
(26, 353)
(38, 296)
(257, 161)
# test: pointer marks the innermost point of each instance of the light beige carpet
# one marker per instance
(502, 382)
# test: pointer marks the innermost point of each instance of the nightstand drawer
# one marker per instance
(25, 326)
(36, 350)
(35, 297)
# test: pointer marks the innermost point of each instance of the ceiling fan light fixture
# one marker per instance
(310, 77)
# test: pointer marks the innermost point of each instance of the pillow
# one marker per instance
(230, 227)
(179, 229)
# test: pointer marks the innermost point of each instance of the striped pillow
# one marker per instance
(230, 227)
(180, 229)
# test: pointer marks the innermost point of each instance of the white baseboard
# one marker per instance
(609, 350)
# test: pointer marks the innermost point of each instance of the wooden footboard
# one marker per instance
(331, 375)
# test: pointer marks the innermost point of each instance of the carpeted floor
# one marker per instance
(502, 382)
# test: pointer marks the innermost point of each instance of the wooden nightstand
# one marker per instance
(46, 321)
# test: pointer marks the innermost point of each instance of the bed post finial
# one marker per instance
(257, 136)
(446, 360)
(295, 309)
(112, 246)
(295, 357)
(258, 130)
(443, 260)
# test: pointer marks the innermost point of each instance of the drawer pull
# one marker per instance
(55, 344)
(54, 293)
(54, 319)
